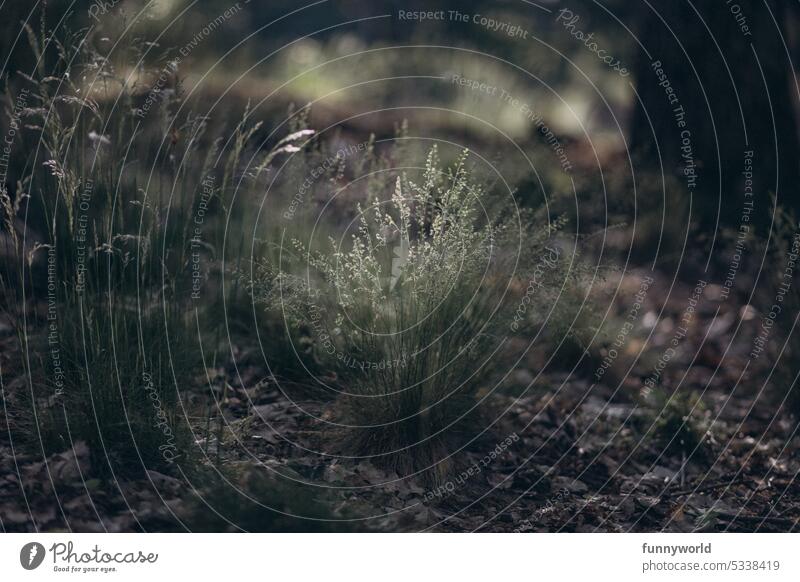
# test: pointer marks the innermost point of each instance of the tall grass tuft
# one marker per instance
(126, 213)
(412, 306)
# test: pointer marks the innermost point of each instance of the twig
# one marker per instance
(705, 488)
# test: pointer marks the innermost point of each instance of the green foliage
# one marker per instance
(679, 424)
(411, 310)
(127, 251)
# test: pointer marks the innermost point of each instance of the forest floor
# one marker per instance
(569, 455)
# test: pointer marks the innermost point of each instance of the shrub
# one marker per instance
(411, 312)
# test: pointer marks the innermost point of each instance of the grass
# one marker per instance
(131, 212)
(409, 307)
(121, 302)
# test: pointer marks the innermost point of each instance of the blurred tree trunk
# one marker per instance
(737, 88)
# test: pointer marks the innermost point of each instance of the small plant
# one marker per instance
(680, 424)
(410, 311)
